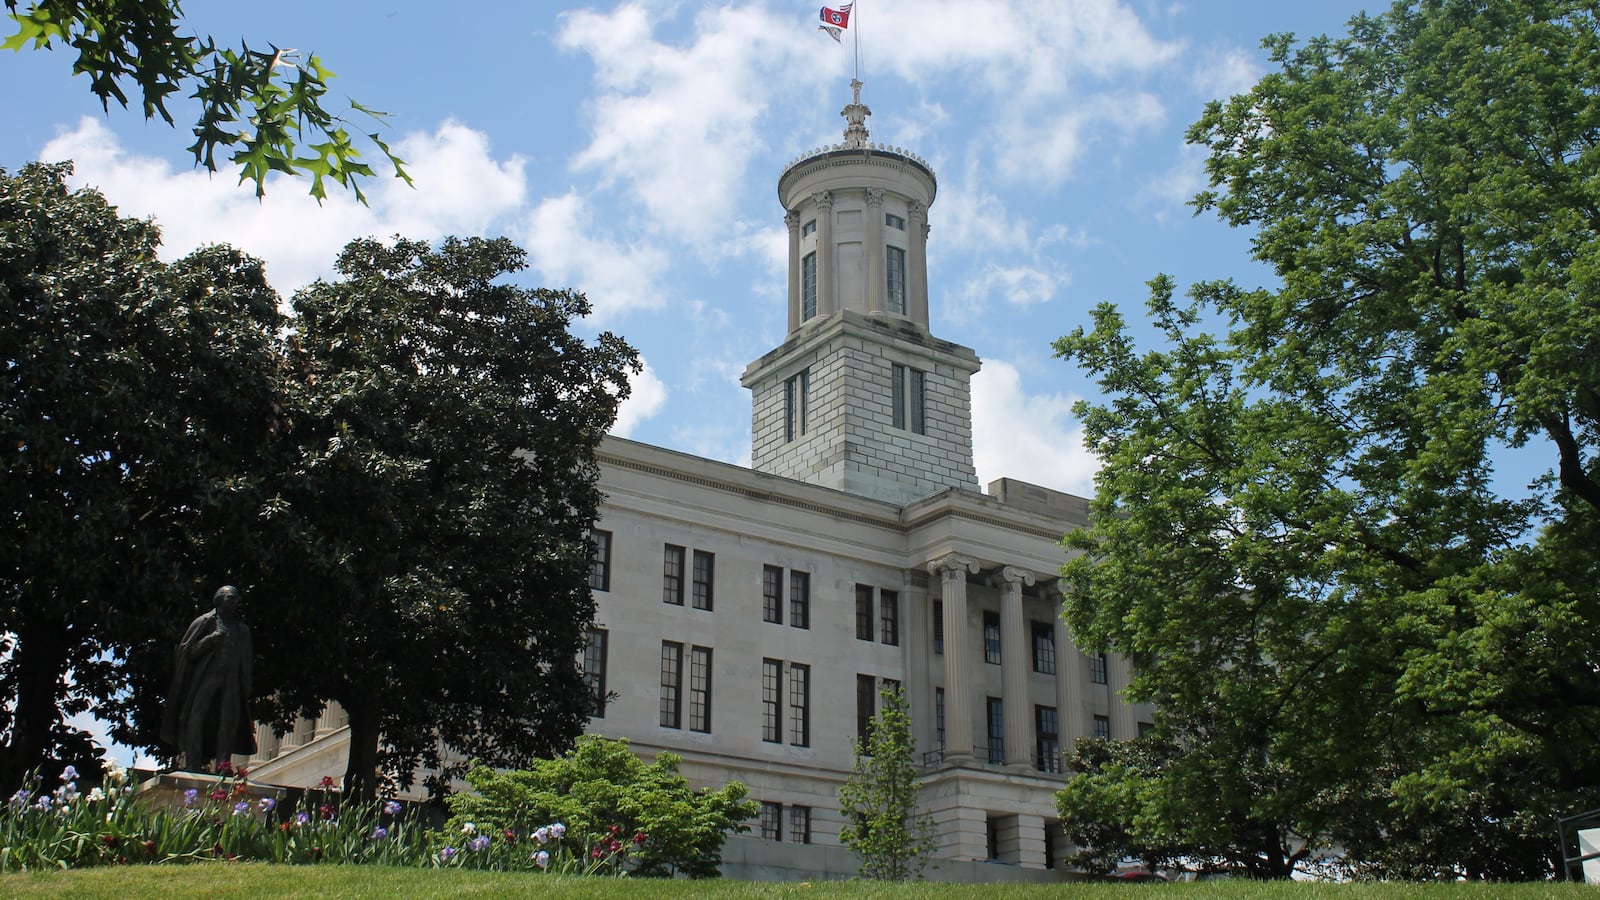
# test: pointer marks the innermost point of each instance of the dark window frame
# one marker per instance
(772, 701)
(992, 647)
(1044, 647)
(594, 669)
(700, 690)
(672, 563)
(889, 617)
(799, 599)
(671, 706)
(772, 594)
(702, 588)
(864, 612)
(600, 562)
(799, 705)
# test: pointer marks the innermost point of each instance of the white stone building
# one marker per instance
(747, 617)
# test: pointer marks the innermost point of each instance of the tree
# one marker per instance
(136, 407)
(602, 791)
(268, 123)
(1298, 526)
(879, 799)
(442, 492)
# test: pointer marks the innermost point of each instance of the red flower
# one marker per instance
(316, 853)
(149, 846)
(109, 839)
(219, 795)
(511, 836)
(616, 830)
(596, 853)
(283, 826)
(326, 810)
(239, 790)
(242, 772)
(639, 839)
(326, 783)
(225, 768)
(614, 847)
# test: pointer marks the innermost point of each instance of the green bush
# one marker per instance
(617, 811)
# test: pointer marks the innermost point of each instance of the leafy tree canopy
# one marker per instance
(1299, 526)
(879, 799)
(602, 791)
(439, 497)
(269, 123)
(137, 405)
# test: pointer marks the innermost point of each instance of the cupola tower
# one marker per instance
(860, 396)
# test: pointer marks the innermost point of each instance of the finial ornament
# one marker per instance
(855, 116)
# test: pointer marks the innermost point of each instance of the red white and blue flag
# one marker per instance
(835, 21)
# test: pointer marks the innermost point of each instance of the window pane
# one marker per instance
(919, 390)
(991, 638)
(672, 575)
(889, 617)
(1044, 648)
(1097, 668)
(600, 564)
(938, 626)
(704, 565)
(771, 821)
(896, 265)
(671, 681)
(594, 670)
(1048, 749)
(800, 599)
(799, 705)
(772, 594)
(800, 824)
(897, 387)
(700, 689)
(1102, 727)
(866, 708)
(808, 286)
(863, 612)
(771, 698)
(997, 732)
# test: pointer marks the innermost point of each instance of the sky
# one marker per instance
(633, 149)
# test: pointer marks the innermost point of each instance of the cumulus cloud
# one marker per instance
(1029, 437)
(646, 397)
(677, 126)
(1223, 73)
(460, 189)
(562, 240)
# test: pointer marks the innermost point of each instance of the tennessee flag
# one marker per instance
(835, 20)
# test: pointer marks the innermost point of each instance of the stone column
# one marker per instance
(952, 571)
(266, 743)
(1014, 665)
(917, 265)
(825, 252)
(792, 219)
(1119, 673)
(1071, 714)
(914, 642)
(877, 282)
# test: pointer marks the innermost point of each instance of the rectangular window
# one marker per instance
(1047, 737)
(671, 684)
(938, 714)
(938, 626)
(772, 701)
(799, 705)
(896, 267)
(1097, 668)
(700, 689)
(1044, 648)
(997, 732)
(1102, 727)
(772, 594)
(894, 221)
(594, 670)
(800, 599)
(808, 228)
(600, 563)
(919, 401)
(808, 287)
(800, 824)
(889, 617)
(991, 638)
(909, 389)
(1145, 728)
(704, 575)
(897, 384)
(796, 391)
(866, 708)
(672, 575)
(863, 612)
(771, 821)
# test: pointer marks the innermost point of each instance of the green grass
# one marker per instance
(262, 880)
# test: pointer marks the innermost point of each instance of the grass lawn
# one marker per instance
(261, 880)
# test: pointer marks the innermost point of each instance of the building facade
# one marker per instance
(747, 618)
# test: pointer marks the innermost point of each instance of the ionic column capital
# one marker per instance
(1009, 575)
(952, 566)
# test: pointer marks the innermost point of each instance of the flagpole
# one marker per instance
(855, 71)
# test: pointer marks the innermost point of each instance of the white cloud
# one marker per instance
(460, 189)
(646, 397)
(677, 126)
(1223, 73)
(561, 245)
(1029, 437)
(1170, 190)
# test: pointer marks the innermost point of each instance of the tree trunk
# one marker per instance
(361, 767)
(41, 664)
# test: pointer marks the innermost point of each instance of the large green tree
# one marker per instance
(1299, 527)
(264, 106)
(443, 490)
(136, 404)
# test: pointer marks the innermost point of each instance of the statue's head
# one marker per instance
(226, 600)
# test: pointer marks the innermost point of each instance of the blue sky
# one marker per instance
(633, 149)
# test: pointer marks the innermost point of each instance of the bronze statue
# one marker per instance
(208, 709)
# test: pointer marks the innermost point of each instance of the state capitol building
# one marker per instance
(748, 617)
